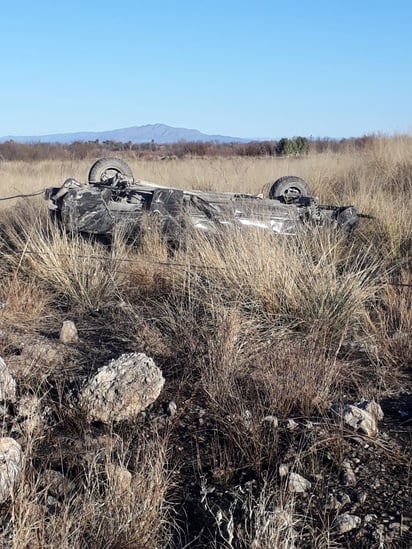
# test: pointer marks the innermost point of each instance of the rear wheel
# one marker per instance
(289, 188)
(110, 171)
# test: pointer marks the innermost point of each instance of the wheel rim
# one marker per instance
(109, 174)
(292, 192)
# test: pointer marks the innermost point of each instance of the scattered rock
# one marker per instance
(40, 358)
(291, 424)
(29, 414)
(346, 523)
(271, 421)
(56, 484)
(7, 384)
(11, 464)
(201, 419)
(337, 502)
(123, 388)
(68, 333)
(28, 406)
(372, 407)
(52, 504)
(363, 418)
(344, 499)
(298, 484)
(119, 477)
(172, 408)
(283, 470)
(369, 518)
(332, 503)
(348, 474)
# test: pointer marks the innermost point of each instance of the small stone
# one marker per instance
(332, 503)
(28, 406)
(344, 499)
(346, 523)
(348, 474)
(29, 413)
(172, 408)
(7, 384)
(283, 470)
(52, 504)
(372, 407)
(298, 484)
(271, 421)
(11, 464)
(120, 478)
(56, 484)
(358, 418)
(68, 333)
(370, 518)
(247, 416)
(291, 424)
(362, 420)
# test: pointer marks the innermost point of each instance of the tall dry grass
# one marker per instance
(316, 280)
(105, 506)
(78, 271)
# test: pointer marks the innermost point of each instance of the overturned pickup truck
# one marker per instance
(114, 199)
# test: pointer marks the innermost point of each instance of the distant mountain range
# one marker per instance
(159, 133)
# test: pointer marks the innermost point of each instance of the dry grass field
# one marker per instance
(250, 332)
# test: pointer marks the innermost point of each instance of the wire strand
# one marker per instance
(114, 259)
(22, 195)
(148, 262)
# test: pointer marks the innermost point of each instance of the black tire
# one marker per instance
(289, 188)
(106, 169)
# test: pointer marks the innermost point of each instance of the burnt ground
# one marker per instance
(381, 495)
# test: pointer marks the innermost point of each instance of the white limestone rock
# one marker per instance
(122, 389)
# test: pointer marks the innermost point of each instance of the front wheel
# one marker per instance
(288, 189)
(110, 171)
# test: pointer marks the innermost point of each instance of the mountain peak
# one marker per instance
(159, 133)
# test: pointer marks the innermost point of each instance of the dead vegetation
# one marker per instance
(250, 331)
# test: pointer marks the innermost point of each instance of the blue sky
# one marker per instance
(242, 68)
